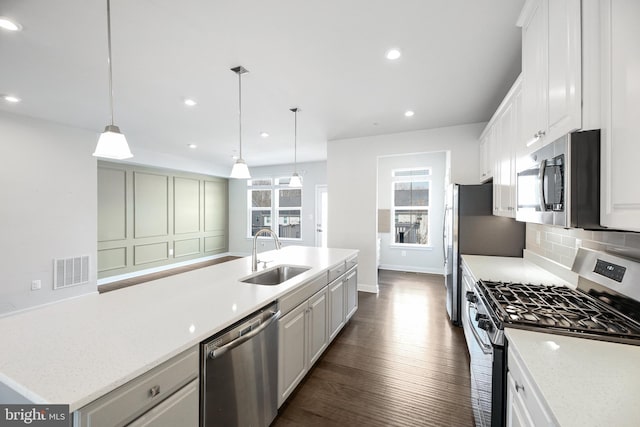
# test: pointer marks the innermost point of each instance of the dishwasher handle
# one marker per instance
(219, 351)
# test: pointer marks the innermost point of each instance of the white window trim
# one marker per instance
(422, 178)
(275, 208)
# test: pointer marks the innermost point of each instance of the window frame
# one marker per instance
(425, 177)
(276, 184)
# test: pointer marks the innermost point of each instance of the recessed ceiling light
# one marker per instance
(192, 146)
(393, 54)
(190, 102)
(409, 113)
(11, 98)
(8, 24)
(264, 134)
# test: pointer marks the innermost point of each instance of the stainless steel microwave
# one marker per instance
(559, 184)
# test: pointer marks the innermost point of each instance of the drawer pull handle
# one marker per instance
(154, 391)
(519, 387)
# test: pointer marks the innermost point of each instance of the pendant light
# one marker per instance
(112, 144)
(295, 180)
(240, 169)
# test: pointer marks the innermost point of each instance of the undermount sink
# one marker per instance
(276, 275)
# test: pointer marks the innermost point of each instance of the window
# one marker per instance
(269, 202)
(410, 206)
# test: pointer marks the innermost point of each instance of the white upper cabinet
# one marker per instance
(498, 143)
(620, 85)
(551, 70)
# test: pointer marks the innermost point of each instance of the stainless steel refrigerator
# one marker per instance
(470, 228)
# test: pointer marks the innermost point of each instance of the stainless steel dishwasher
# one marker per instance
(239, 372)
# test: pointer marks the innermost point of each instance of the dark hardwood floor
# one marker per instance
(399, 362)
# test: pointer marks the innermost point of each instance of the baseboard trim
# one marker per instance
(411, 269)
(372, 289)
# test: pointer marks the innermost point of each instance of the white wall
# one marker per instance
(352, 177)
(49, 207)
(423, 260)
(312, 174)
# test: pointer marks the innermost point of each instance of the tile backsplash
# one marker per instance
(561, 245)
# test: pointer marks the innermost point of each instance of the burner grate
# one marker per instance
(556, 307)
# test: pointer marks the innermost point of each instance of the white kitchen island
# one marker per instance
(74, 351)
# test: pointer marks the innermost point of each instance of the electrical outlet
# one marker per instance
(36, 285)
(537, 237)
(403, 253)
(578, 243)
(170, 252)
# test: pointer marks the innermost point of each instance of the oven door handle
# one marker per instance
(543, 165)
(486, 348)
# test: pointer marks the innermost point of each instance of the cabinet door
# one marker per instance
(351, 294)
(318, 324)
(292, 357)
(517, 414)
(180, 409)
(621, 108)
(336, 308)
(534, 74)
(564, 68)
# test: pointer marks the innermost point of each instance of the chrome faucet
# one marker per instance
(254, 252)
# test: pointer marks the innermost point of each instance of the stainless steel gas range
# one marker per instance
(605, 306)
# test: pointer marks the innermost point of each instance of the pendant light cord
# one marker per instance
(109, 59)
(295, 141)
(240, 110)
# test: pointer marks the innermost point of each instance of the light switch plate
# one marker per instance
(36, 285)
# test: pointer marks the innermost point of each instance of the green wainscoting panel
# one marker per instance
(215, 243)
(152, 252)
(151, 217)
(150, 204)
(186, 247)
(112, 204)
(186, 205)
(111, 259)
(215, 195)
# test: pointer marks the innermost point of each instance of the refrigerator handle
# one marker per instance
(445, 255)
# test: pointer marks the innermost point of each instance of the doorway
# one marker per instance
(322, 199)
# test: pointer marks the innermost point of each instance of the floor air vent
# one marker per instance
(70, 272)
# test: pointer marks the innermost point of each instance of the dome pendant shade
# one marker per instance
(112, 144)
(296, 181)
(240, 170)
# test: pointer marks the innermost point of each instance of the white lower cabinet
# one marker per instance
(310, 323)
(180, 409)
(166, 393)
(336, 307)
(351, 291)
(303, 336)
(524, 406)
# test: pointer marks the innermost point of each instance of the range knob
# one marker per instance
(471, 297)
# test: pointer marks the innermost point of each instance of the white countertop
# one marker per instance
(77, 350)
(508, 269)
(584, 382)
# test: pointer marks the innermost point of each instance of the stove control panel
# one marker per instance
(609, 270)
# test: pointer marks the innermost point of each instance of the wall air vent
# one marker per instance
(70, 272)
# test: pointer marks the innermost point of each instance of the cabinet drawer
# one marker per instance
(527, 393)
(180, 409)
(352, 262)
(337, 271)
(132, 399)
(295, 298)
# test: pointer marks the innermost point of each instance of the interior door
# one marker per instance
(322, 198)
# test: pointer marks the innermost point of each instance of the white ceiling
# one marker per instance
(326, 56)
